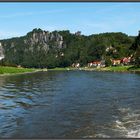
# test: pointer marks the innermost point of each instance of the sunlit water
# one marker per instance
(70, 104)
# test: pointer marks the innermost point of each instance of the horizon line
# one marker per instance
(18, 36)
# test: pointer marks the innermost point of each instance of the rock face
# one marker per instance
(36, 38)
(36, 43)
(44, 38)
(1, 51)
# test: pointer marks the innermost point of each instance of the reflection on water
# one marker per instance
(70, 104)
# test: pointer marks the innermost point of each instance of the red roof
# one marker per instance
(126, 60)
(116, 60)
(96, 62)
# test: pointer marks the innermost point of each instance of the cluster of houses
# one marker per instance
(123, 61)
(115, 62)
(98, 64)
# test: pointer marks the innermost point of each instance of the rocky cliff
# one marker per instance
(36, 43)
(1, 52)
(44, 38)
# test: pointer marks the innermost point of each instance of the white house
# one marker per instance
(76, 65)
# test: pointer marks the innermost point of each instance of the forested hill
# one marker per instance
(136, 50)
(61, 48)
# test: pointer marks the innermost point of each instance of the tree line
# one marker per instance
(76, 48)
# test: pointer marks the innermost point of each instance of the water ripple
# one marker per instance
(74, 104)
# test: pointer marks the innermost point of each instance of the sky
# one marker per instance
(17, 19)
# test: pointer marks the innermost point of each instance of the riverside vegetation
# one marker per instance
(14, 70)
(58, 50)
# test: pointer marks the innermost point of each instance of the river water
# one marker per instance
(70, 104)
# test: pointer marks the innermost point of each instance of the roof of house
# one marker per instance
(116, 60)
(96, 62)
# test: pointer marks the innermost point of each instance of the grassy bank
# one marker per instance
(116, 69)
(14, 70)
(134, 69)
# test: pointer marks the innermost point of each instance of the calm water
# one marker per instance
(70, 104)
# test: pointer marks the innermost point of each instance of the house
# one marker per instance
(126, 60)
(90, 64)
(76, 65)
(97, 64)
(123, 61)
(116, 62)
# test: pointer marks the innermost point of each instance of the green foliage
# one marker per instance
(118, 68)
(13, 70)
(108, 61)
(136, 51)
(137, 58)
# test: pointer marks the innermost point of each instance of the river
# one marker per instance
(70, 104)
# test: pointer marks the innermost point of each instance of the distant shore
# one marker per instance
(4, 70)
(115, 69)
(111, 69)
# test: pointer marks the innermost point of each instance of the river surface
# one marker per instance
(70, 104)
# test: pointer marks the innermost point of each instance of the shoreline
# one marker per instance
(12, 74)
(122, 69)
(18, 71)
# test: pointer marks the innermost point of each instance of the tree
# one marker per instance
(108, 61)
(136, 48)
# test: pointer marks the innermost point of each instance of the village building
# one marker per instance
(126, 60)
(90, 64)
(97, 64)
(123, 61)
(76, 65)
(116, 62)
